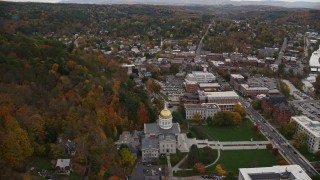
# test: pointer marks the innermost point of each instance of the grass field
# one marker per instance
(232, 160)
(242, 132)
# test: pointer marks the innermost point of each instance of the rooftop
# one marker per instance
(203, 105)
(149, 143)
(291, 172)
(219, 94)
(312, 126)
(236, 76)
(63, 163)
(314, 59)
(209, 85)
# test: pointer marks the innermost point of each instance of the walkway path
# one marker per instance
(169, 167)
(176, 167)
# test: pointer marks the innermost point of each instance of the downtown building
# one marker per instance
(225, 100)
(289, 172)
(311, 129)
(205, 110)
(200, 77)
(314, 62)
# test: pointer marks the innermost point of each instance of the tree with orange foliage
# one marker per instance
(196, 118)
(200, 168)
(283, 162)
(142, 114)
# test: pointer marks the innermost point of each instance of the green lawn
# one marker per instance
(206, 157)
(41, 163)
(232, 160)
(242, 132)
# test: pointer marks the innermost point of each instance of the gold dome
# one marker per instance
(165, 114)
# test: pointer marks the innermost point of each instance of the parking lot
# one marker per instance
(140, 169)
(301, 96)
(173, 88)
(309, 108)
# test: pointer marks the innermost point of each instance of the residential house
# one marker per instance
(70, 147)
(63, 166)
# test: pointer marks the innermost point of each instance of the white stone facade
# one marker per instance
(150, 154)
(205, 110)
(311, 129)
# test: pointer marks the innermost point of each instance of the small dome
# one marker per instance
(165, 114)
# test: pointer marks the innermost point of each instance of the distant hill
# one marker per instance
(298, 4)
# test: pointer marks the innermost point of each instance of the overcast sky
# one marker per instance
(54, 1)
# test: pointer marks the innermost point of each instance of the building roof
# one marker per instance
(276, 99)
(63, 163)
(314, 59)
(202, 106)
(230, 94)
(165, 114)
(209, 85)
(312, 126)
(290, 172)
(237, 76)
(167, 137)
(71, 145)
(149, 143)
(249, 88)
(153, 128)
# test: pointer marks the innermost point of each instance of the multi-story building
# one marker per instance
(209, 87)
(191, 86)
(200, 77)
(248, 91)
(289, 172)
(254, 86)
(234, 77)
(205, 110)
(314, 62)
(311, 129)
(225, 100)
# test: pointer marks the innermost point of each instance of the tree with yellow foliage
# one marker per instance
(220, 171)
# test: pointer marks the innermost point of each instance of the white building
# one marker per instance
(289, 172)
(311, 129)
(205, 110)
(160, 137)
(314, 61)
(225, 100)
(63, 166)
(200, 77)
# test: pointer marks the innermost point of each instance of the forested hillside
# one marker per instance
(48, 95)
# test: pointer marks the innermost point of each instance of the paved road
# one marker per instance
(201, 41)
(281, 52)
(289, 152)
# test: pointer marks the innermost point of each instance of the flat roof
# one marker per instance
(236, 75)
(314, 59)
(219, 94)
(202, 73)
(202, 106)
(295, 172)
(311, 126)
(209, 85)
(247, 87)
